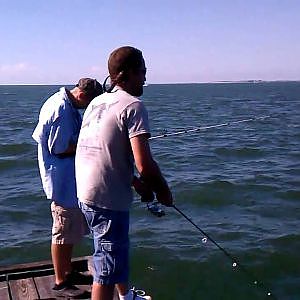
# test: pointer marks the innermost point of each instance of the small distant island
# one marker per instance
(253, 81)
(241, 81)
(250, 81)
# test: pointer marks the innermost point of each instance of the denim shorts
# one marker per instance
(111, 243)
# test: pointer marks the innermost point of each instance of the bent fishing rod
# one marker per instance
(234, 261)
(202, 128)
(155, 209)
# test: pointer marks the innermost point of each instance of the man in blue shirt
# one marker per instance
(56, 134)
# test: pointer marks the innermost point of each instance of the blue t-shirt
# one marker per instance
(58, 127)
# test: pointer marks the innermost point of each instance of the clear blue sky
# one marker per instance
(59, 41)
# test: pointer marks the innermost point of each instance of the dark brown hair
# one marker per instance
(121, 61)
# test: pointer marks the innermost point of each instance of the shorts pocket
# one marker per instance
(106, 266)
(61, 225)
(101, 229)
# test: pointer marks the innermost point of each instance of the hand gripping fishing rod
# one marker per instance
(202, 128)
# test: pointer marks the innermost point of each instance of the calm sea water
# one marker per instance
(239, 183)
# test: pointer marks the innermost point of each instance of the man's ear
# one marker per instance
(123, 75)
(81, 94)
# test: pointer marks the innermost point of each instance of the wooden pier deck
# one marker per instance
(35, 280)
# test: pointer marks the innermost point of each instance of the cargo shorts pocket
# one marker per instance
(101, 229)
(61, 222)
(106, 260)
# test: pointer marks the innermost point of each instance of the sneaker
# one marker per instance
(66, 290)
(139, 295)
(76, 277)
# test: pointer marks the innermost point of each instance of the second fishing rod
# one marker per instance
(197, 129)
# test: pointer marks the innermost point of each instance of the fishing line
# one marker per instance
(201, 128)
(155, 209)
(234, 261)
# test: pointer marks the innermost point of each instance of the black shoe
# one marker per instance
(78, 278)
(67, 290)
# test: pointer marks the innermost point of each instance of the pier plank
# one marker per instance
(4, 295)
(35, 280)
(23, 289)
(78, 263)
(44, 286)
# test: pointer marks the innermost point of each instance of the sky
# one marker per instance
(60, 41)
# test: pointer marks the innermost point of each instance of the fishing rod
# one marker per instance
(235, 263)
(202, 128)
(156, 209)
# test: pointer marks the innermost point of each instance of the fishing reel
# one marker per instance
(148, 197)
(155, 209)
(153, 206)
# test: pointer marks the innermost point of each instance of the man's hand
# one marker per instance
(149, 170)
(165, 197)
(143, 190)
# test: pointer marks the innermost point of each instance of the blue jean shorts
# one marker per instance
(111, 243)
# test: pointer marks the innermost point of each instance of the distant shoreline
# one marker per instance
(208, 82)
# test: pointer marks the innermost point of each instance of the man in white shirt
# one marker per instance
(114, 135)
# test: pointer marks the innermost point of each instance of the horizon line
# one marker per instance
(201, 82)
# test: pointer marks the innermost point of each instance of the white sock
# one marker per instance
(126, 297)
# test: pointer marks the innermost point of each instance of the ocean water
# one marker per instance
(239, 183)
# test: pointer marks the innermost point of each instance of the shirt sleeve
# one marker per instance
(62, 133)
(137, 119)
(37, 134)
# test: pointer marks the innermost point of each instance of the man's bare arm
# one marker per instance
(149, 170)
